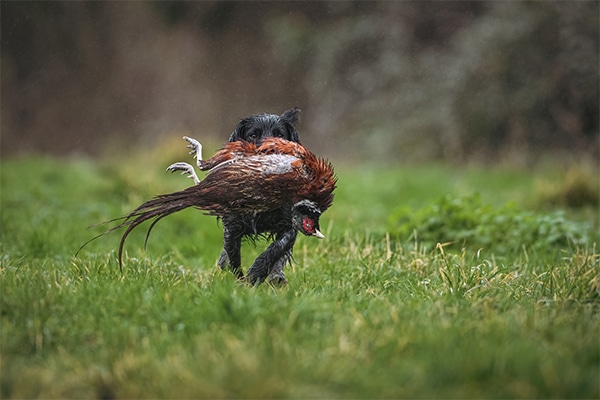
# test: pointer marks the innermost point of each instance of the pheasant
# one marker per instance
(254, 129)
(280, 180)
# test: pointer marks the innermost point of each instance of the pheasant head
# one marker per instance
(305, 218)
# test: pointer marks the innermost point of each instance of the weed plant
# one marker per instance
(468, 221)
(370, 312)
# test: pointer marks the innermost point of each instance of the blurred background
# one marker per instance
(390, 81)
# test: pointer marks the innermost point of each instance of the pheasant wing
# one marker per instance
(250, 185)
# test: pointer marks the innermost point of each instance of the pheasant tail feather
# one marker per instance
(156, 209)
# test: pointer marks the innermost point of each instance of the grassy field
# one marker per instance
(370, 312)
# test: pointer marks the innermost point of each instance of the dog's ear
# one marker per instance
(291, 115)
(289, 118)
(239, 133)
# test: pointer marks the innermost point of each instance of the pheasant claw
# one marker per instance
(185, 168)
(195, 149)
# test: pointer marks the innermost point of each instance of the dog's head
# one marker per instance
(258, 127)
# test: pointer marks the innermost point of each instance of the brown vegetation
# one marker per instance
(457, 81)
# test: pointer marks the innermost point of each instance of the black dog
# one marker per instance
(271, 262)
(258, 127)
(255, 129)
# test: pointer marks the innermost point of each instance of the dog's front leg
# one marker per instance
(267, 261)
(276, 276)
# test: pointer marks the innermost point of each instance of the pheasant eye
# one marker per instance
(308, 224)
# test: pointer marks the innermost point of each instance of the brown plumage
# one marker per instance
(255, 129)
(246, 179)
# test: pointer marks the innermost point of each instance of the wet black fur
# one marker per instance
(276, 224)
(258, 127)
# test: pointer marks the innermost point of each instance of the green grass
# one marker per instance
(367, 313)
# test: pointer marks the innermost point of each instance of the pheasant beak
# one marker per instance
(319, 235)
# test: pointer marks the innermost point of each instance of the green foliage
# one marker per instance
(577, 188)
(468, 221)
(364, 315)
